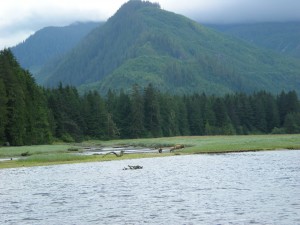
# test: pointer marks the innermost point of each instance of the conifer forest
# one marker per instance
(30, 114)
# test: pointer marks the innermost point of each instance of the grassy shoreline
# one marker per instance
(44, 155)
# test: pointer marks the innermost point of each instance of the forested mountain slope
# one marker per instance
(283, 37)
(50, 42)
(144, 44)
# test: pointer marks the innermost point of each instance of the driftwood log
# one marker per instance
(179, 146)
(116, 154)
(133, 167)
(25, 154)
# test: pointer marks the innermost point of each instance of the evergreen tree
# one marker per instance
(266, 115)
(183, 123)
(11, 75)
(55, 113)
(220, 112)
(287, 103)
(124, 115)
(24, 111)
(272, 113)
(137, 128)
(152, 112)
(112, 117)
(245, 113)
(292, 123)
(38, 129)
(230, 103)
(208, 115)
(3, 111)
(259, 108)
(168, 114)
(195, 114)
(95, 115)
(112, 129)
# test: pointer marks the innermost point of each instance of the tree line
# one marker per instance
(147, 112)
(30, 114)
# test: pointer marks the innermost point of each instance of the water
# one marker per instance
(237, 188)
(126, 150)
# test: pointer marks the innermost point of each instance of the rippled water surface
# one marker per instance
(237, 188)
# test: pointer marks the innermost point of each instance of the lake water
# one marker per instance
(235, 188)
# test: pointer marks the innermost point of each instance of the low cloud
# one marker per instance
(19, 20)
(238, 11)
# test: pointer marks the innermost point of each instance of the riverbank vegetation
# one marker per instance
(68, 153)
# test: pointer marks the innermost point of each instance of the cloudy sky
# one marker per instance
(20, 18)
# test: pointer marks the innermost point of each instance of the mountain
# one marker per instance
(283, 37)
(144, 44)
(49, 43)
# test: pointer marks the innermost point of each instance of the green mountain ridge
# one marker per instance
(49, 43)
(144, 44)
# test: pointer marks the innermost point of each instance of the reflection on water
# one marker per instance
(237, 188)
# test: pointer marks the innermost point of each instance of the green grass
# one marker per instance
(62, 157)
(212, 144)
(59, 154)
(34, 149)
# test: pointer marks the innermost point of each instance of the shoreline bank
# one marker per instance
(67, 153)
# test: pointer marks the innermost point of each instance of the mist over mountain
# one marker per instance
(49, 43)
(144, 44)
(283, 37)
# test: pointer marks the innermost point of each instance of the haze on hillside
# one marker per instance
(19, 21)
